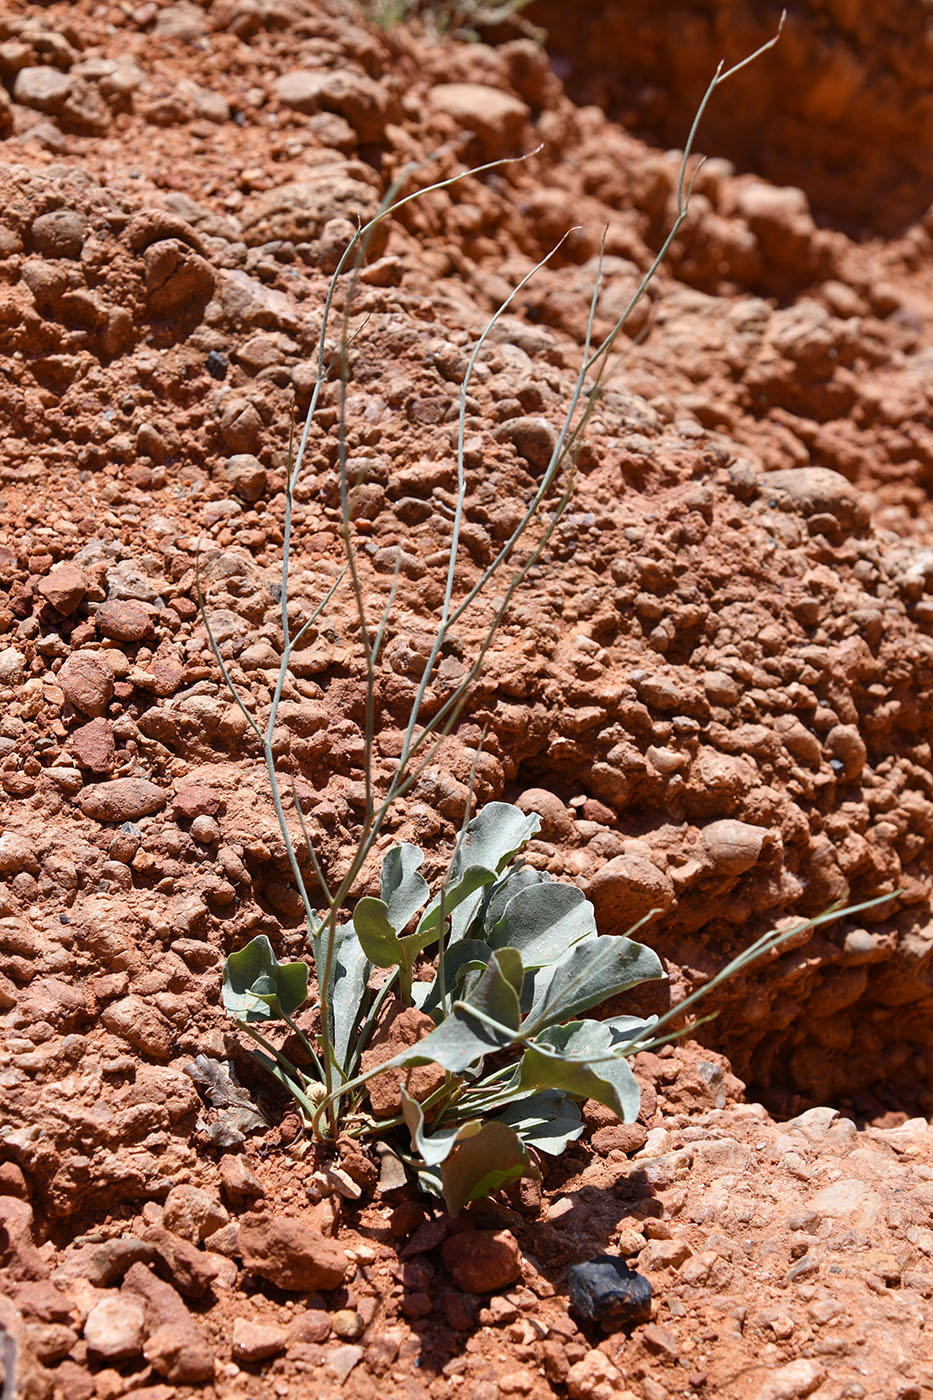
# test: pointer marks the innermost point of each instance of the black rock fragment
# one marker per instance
(607, 1291)
(216, 365)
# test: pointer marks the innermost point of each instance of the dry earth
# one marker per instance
(716, 687)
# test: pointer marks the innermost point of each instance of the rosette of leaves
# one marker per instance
(520, 962)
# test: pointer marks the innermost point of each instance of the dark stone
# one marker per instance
(607, 1291)
(216, 365)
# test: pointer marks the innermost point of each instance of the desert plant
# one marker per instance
(518, 956)
(512, 1050)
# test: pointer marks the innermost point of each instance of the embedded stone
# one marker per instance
(605, 1290)
(121, 800)
(64, 587)
(480, 1261)
(87, 683)
(292, 1255)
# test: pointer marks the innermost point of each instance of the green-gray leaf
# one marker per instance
(403, 890)
(377, 937)
(484, 1158)
(467, 955)
(628, 1029)
(349, 993)
(493, 837)
(570, 1058)
(257, 987)
(489, 842)
(434, 1147)
(590, 973)
(465, 1037)
(543, 921)
(547, 1120)
(507, 887)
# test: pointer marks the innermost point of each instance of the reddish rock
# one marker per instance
(44, 88)
(480, 1261)
(17, 1252)
(732, 847)
(627, 888)
(115, 1328)
(140, 1025)
(192, 801)
(18, 853)
(193, 1214)
(365, 104)
(247, 476)
(159, 1299)
(124, 620)
(252, 1341)
(163, 677)
(94, 747)
(240, 1182)
(190, 1270)
(497, 119)
(180, 1353)
(401, 1028)
(59, 234)
(12, 1181)
(596, 1377)
(292, 1255)
(313, 1325)
(621, 1137)
(556, 819)
(87, 683)
(177, 279)
(64, 588)
(121, 800)
(111, 1260)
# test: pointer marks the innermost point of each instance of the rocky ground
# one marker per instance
(715, 688)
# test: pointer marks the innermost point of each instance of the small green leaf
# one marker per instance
(498, 988)
(627, 1029)
(469, 955)
(543, 921)
(547, 1120)
(493, 837)
(257, 987)
(507, 887)
(379, 922)
(377, 937)
(570, 1058)
(461, 900)
(485, 1157)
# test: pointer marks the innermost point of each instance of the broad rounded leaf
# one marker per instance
(574, 1058)
(378, 938)
(547, 1121)
(349, 995)
(543, 921)
(484, 1158)
(257, 987)
(433, 1147)
(403, 890)
(487, 845)
(590, 973)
